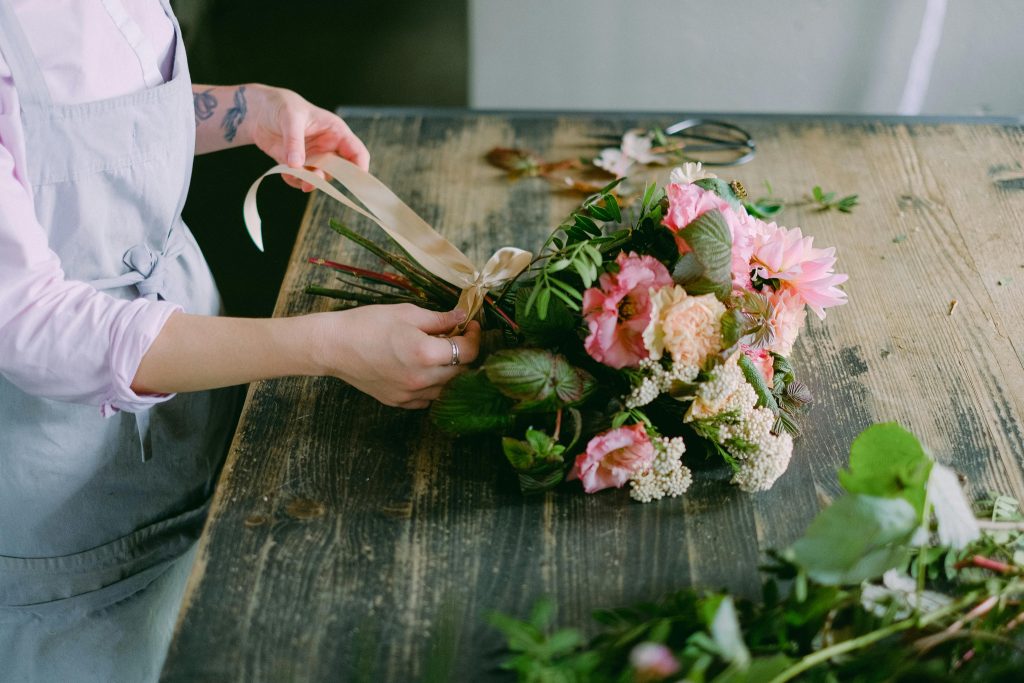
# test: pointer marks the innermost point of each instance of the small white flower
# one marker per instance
(636, 144)
(689, 172)
(635, 149)
(614, 161)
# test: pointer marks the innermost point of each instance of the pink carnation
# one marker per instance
(617, 312)
(612, 457)
(786, 255)
(687, 202)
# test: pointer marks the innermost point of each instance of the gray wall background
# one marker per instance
(741, 55)
(666, 55)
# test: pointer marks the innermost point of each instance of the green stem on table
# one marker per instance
(814, 659)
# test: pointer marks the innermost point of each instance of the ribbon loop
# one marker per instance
(378, 203)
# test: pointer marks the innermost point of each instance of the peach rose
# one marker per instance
(686, 327)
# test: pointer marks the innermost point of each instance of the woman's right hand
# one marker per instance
(392, 352)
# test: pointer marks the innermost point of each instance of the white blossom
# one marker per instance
(689, 172)
(667, 476)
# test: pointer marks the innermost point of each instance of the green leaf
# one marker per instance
(886, 460)
(538, 379)
(519, 453)
(855, 539)
(765, 399)
(542, 613)
(470, 404)
(541, 479)
(708, 268)
(543, 301)
(549, 332)
(761, 669)
(612, 205)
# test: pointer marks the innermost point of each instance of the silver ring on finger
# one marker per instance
(455, 351)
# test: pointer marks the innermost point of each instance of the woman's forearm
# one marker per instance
(195, 353)
(392, 352)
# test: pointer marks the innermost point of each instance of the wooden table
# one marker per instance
(349, 541)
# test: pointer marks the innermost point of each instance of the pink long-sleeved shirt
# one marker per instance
(59, 338)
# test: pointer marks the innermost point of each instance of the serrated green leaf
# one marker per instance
(519, 453)
(857, 538)
(887, 460)
(711, 242)
(538, 379)
(470, 404)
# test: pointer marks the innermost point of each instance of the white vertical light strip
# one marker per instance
(924, 58)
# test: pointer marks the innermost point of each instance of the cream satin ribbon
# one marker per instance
(412, 233)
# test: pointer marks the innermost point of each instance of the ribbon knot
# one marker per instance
(412, 233)
(142, 260)
(147, 269)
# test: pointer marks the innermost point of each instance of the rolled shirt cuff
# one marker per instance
(131, 337)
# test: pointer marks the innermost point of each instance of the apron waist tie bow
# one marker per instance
(147, 271)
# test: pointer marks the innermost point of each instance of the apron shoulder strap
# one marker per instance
(28, 78)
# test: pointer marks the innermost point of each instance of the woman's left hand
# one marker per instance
(290, 129)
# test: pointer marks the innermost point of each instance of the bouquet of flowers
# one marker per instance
(636, 334)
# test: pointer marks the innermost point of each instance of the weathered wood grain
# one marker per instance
(349, 541)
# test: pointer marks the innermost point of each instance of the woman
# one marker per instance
(111, 428)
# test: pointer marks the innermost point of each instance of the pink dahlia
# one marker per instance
(786, 255)
(617, 312)
(612, 457)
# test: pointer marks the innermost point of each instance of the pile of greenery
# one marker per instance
(894, 581)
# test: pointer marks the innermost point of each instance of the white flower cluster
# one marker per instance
(656, 379)
(764, 456)
(770, 456)
(667, 476)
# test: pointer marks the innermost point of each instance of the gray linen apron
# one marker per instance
(98, 515)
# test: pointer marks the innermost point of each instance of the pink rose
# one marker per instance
(617, 312)
(612, 457)
(652, 662)
(687, 202)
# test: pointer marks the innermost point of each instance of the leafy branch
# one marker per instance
(852, 610)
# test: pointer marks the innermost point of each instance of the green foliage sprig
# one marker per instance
(769, 206)
(860, 597)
